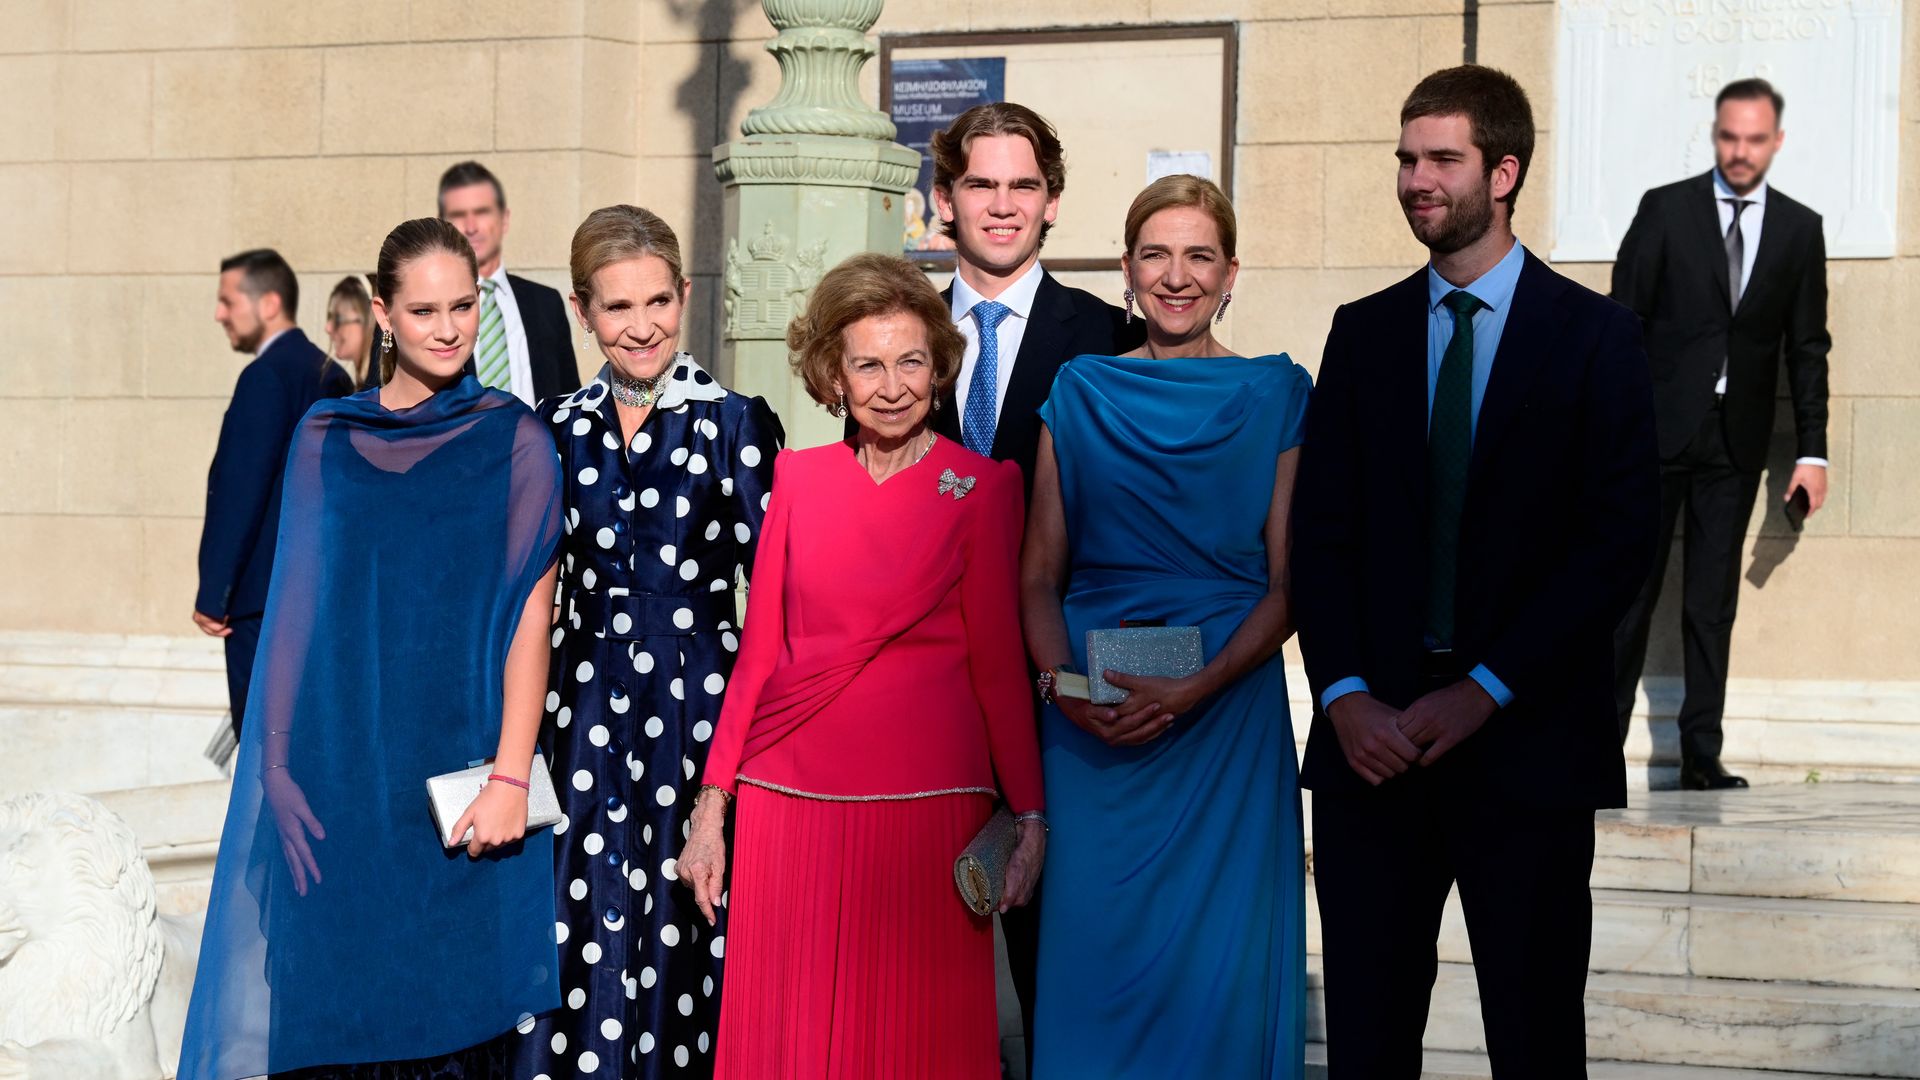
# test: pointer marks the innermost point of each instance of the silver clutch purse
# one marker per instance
(1171, 652)
(980, 873)
(449, 794)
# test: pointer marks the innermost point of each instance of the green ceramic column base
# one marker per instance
(793, 208)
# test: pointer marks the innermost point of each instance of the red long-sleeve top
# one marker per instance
(882, 655)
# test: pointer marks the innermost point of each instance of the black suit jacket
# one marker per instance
(1065, 323)
(1672, 271)
(549, 338)
(1556, 536)
(243, 485)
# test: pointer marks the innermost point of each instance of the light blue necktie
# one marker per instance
(982, 414)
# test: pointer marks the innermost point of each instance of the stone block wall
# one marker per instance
(141, 142)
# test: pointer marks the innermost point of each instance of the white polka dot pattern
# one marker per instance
(673, 511)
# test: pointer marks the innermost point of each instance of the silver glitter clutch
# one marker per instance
(980, 873)
(449, 794)
(1171, 652)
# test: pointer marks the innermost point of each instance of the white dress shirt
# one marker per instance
(1752, 219)
(519, 357)
(1018, 297)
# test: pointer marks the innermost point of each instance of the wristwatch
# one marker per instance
(1045, 685)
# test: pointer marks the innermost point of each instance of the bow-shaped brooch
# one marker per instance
(957, 485)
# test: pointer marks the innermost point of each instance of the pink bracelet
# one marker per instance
(521, 784)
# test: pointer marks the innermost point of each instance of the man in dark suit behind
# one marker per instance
(257, 301)
(1476, 505)
(524, 346)
(998, 173)
(1728, 278)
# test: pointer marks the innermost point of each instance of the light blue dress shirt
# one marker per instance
(1494, 290)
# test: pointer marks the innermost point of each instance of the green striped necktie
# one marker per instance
(490, 353)
(1449, 452)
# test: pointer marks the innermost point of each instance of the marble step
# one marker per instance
(1831, 942)
(91, 749)
(1726, 1023)
(1454, 1065)
(1805, 841)
(31, 647)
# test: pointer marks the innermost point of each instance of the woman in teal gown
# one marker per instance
(1172, 927)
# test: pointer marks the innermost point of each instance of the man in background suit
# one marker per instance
(524, 346)
(1476, 506)
(1728, 277)
(998, 173)
(256, 303)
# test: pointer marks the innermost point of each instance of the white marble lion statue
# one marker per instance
(93, 981)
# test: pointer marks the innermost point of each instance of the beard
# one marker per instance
(249, 341)
(1468, 218)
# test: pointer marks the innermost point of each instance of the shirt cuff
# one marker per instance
(1491, 683)
(1820, 461)
(1352, 684)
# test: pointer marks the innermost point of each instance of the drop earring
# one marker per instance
(936, 401)
(839, 409)
(1221, 315)
(386, 340)
(1129, 295)
(586, 338)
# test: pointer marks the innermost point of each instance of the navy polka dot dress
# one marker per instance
(657, 532)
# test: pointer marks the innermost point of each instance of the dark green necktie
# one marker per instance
(1449, 451)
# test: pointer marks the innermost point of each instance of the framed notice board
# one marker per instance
(1103, 92)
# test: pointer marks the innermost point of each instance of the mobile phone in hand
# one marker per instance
(1797, 509)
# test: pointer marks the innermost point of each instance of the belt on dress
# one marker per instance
(638, 615)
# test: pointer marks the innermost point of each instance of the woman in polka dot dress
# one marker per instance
(666, 481)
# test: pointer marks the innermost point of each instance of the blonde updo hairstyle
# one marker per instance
(864, 286)
(614, 234)
(1182, 189)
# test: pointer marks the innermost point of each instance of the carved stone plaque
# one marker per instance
(1634, 88)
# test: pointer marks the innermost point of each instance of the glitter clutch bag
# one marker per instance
(449, 795)
(980, 873)
(1171, 652)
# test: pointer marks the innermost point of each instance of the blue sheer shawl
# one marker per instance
(409, 543)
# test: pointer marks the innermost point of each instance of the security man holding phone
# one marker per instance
(1728, 277)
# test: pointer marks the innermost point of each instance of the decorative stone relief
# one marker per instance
(93, 981)
(766, 289)
(1634, 88)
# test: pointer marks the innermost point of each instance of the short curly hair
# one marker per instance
(864, 286)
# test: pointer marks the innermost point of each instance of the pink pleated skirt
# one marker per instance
(849, 952)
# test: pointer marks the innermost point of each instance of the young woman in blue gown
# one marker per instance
(405, 636)
(1172, 933)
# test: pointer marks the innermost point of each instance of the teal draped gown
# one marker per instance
(1172, 927)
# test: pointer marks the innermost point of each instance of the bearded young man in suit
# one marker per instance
(257, 302)
(1729, 277)
(1476, 505)
(998, 172)
(524, 345)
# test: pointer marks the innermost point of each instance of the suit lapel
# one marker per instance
(1048, 332)
(946, 419)
(1406, 388)
(1532, 320)
(1705, 211)
(1773, 246)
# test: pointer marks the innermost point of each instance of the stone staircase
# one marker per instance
(1770, 932)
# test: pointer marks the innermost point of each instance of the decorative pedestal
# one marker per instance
(817, 178)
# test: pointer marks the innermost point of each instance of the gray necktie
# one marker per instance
(1736, 251)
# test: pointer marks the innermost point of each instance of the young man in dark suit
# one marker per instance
(256, 305)
(1728, 277)
(524, 347)
(998, 172)
(1475, 508)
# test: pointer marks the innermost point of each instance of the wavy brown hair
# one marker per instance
(864, 286)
